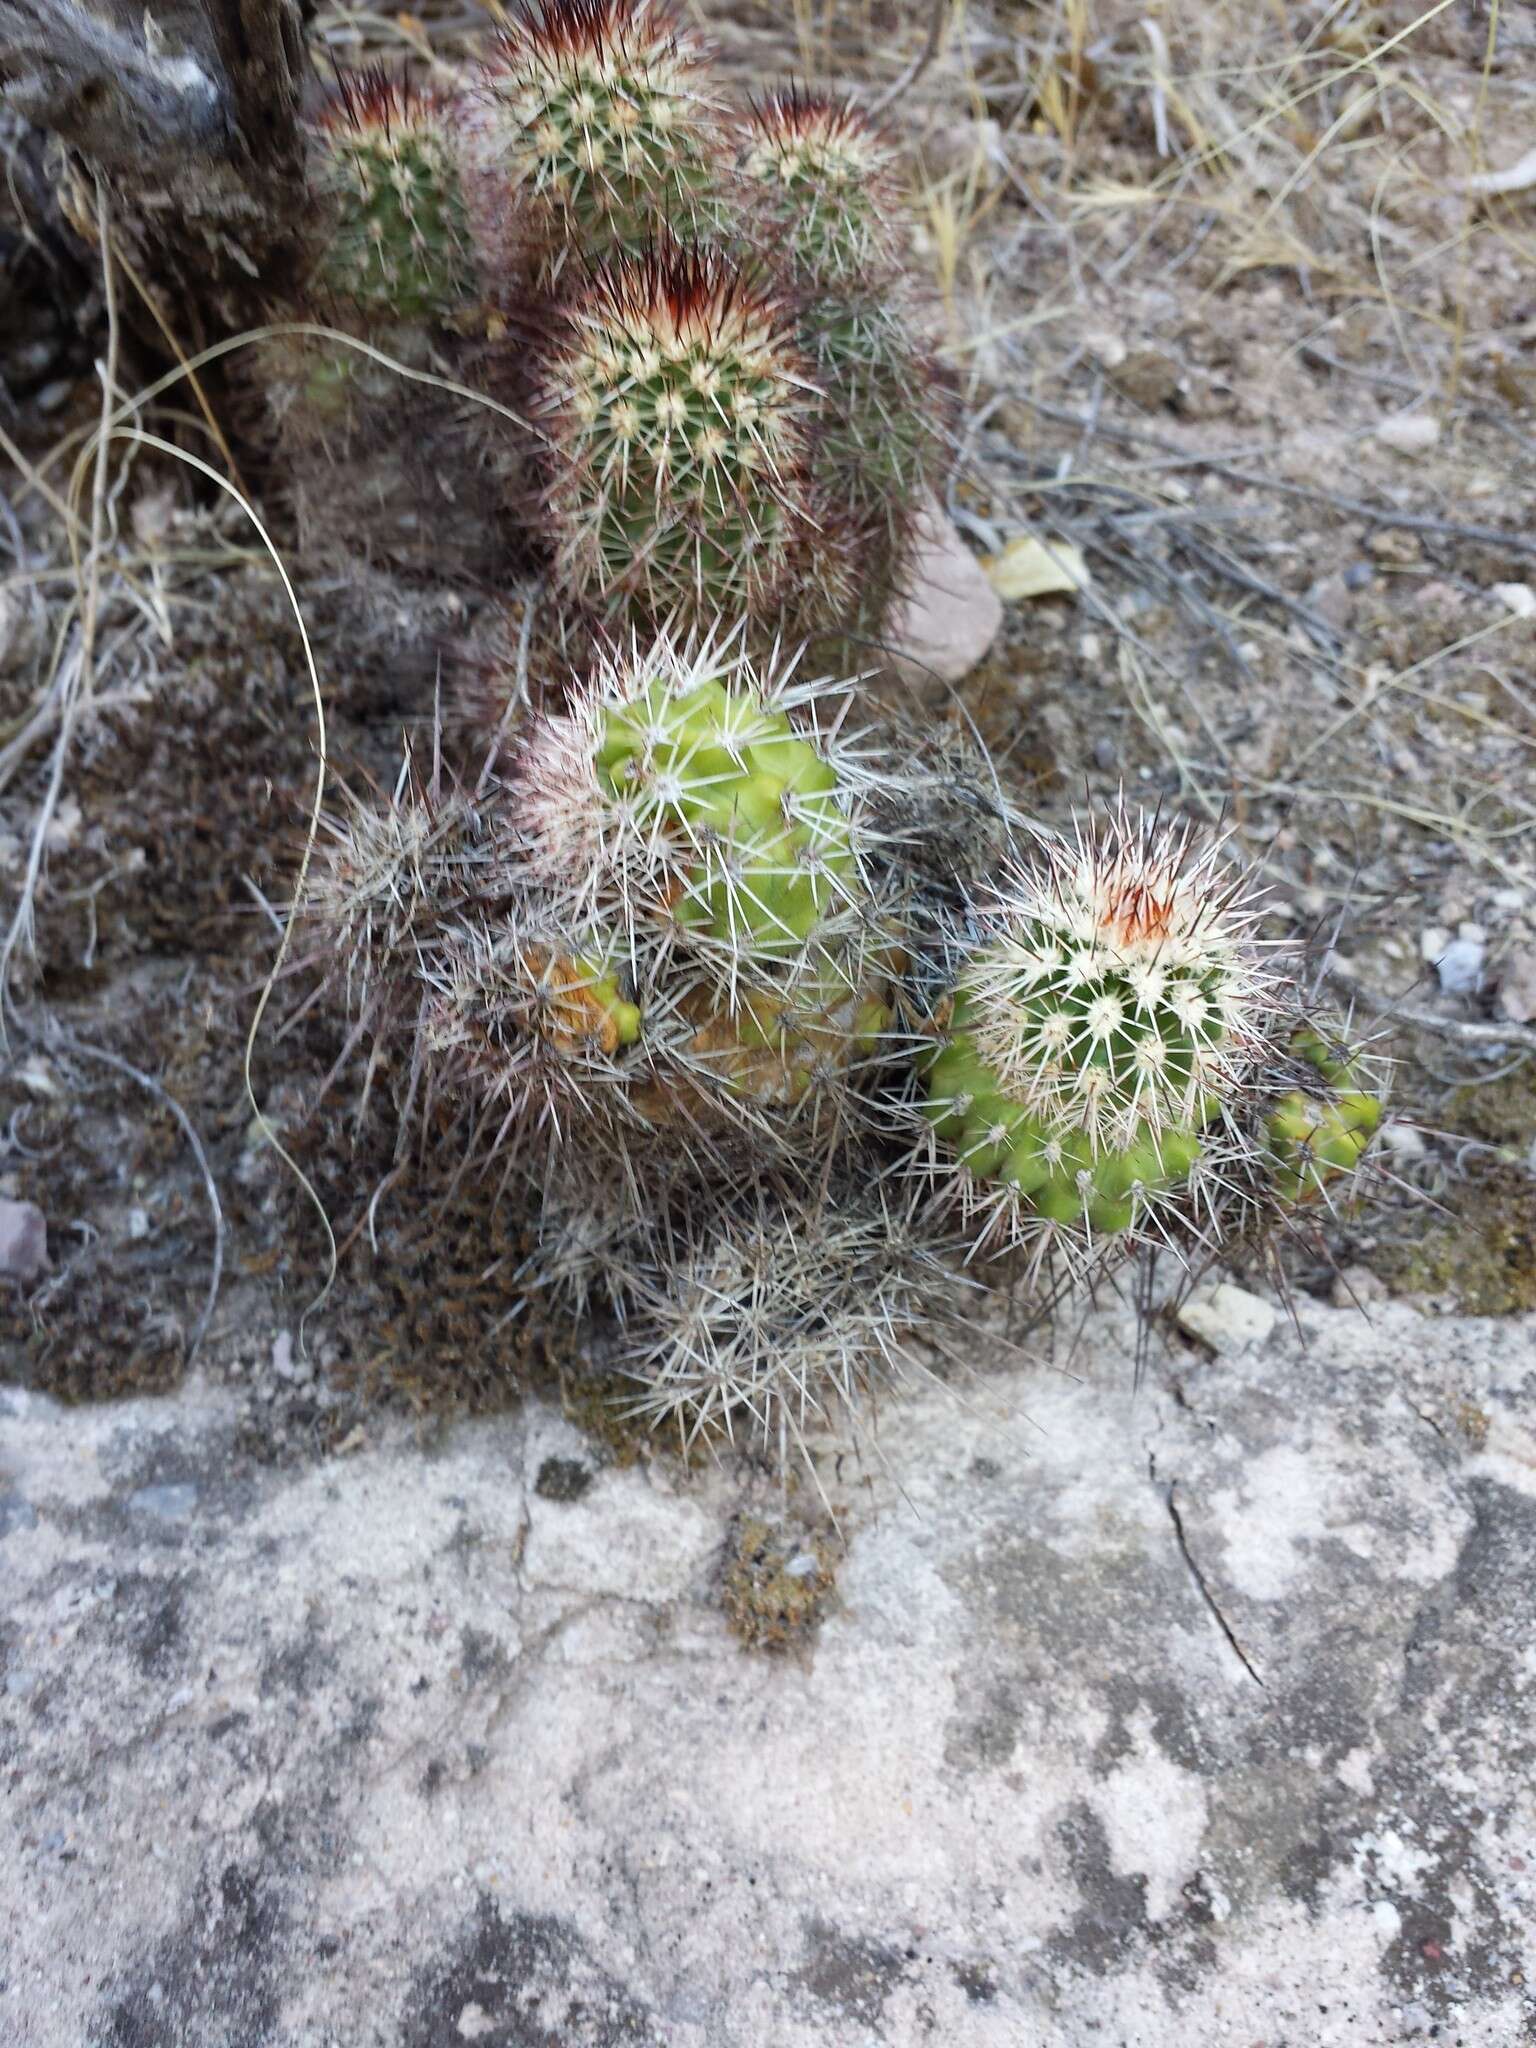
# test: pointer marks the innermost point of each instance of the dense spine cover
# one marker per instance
(693, 960)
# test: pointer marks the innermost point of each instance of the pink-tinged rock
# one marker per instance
(1517, 988)
(23, 1242)
(948, 622)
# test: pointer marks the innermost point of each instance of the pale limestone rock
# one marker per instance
(1198, 1711)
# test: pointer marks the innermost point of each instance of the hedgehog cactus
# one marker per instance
(826, 197)
(759, 1325)
(598, 120)
(395, 242)
(1318, 1132)
(821, 178)
(383, 881)
(677, 412)
(1110, 1014)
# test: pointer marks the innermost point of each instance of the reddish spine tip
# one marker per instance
(583, 28)
(373, 98)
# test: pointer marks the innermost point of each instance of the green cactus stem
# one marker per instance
(394, 240)
(1105, 1021)
(677, 805)
(598, 117)
(677, 411)
(821, 180)
(1318, 1133)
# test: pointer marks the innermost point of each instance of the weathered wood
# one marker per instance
(190, 113)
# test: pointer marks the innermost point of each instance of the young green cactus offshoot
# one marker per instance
(598, 117)
(1110, 1013)
(677, 410)
(395, 242)
(1317, 1133)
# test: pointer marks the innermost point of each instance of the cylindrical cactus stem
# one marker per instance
(1109, 1015)
(677, 411)
(383, 465)
(825, 198)
(821, 182)
(393, 237)
(879, 437)
(596, 115)
(1318, 1132)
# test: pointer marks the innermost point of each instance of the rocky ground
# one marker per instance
(1198, 1714)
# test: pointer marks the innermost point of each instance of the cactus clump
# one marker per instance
(600, 124)
(652, 967)
(394, 241)
(1319, 1131)
(1109, 1016)
(677, 412)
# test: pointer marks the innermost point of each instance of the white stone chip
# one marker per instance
(1228, 1319)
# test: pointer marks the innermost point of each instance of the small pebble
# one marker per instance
(1408, 433)
(1460, 967)
(1359, 575)
(1517, 987)
(298, 1370)
(1228, 1319)
(1356, 1287)
(23, 1243)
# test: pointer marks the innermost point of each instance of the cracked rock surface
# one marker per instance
(1199, 1715)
